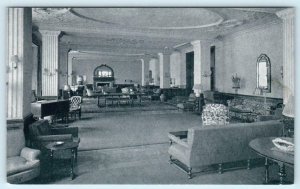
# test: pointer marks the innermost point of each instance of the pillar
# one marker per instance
(201, 63)
(288, 18)
(175, 68)
(63, 66)
(19, 63)
(164, 69)
(70, 68)
(50, 59)
(145, 71)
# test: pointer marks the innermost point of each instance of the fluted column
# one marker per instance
(145, 71)
(164, 69)
(19, 63)
(50, 54)
(288, 18)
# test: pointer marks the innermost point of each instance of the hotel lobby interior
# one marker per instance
(150, 95)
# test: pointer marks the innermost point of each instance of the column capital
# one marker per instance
(50, 33)
(196, 42)
(286, 13)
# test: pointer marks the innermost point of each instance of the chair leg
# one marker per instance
(220, 168)
(189, 173)
(248, 164)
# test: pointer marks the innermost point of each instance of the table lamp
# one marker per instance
(197, 90)
(289, 114)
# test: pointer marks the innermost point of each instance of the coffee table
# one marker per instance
(67, 145)
(265, 148)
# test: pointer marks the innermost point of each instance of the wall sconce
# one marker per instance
(15, 60)
(236, 82)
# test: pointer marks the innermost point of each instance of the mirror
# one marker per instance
(263, 73)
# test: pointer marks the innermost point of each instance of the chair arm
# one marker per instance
(49, 138)
(30, 154)
(65, 130)
(177, 140)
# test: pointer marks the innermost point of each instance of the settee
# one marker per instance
(250, 110)
(218, 144)
(22, 162)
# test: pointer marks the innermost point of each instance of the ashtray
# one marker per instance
(283, 145)
(58, 143)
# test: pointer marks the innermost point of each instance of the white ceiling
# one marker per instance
(136, 31)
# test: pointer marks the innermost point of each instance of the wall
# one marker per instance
(122, 70)
(238, 53)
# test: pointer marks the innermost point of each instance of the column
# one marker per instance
(164, 69)
(201, 63)
(288, 18)
(19, 63)
(50, 54)
(175, 68)
(70, 68)
(63, 66)
(197, 61)
(145, 71)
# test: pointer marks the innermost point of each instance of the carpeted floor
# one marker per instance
(114, 130)
(130, 147)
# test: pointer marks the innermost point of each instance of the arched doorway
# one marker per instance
(103, 76)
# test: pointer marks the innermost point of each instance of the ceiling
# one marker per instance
(133, 32)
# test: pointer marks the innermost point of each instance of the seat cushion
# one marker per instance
(180, 153)
(19, 164)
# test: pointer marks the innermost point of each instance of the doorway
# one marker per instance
(212, 68)
(189, 72)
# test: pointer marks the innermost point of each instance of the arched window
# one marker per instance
(103, 71)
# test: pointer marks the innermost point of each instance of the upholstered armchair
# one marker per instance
(190, 104)
(22, 162)
(215, 114)
(75, 106)
(40, 133)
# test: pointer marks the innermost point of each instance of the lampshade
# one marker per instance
(67, 88)
(289, 108)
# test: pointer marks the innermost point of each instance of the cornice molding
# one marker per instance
(50, 33)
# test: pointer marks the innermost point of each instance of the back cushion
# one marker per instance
(15, 141)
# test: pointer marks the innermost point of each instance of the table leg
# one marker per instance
(281, 173)
(98, 100)
(51, 163)
(266, 171)
(72, 163)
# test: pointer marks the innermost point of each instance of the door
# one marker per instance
(189, 72)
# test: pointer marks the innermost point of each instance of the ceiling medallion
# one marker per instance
(52, 11)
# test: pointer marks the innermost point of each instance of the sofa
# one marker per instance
(250, 110)
(22, 162)
(218, 144)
